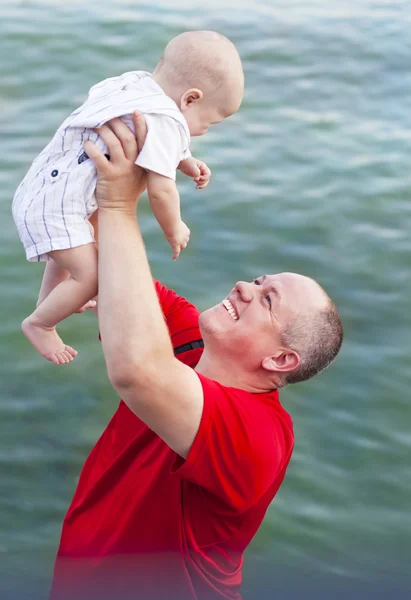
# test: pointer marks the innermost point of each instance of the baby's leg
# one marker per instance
(53, 275)
(67, 297)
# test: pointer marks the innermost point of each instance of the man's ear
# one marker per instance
(189, 97)
(283, 361)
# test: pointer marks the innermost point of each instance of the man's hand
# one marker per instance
(197, 169)
(120, 181)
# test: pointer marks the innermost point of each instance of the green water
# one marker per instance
(313, 176)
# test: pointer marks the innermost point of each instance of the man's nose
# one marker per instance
(245, 290)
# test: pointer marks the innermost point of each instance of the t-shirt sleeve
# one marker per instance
(182, 321)
(164, 146)
(181, 316)
(241, 447)
(186, 154)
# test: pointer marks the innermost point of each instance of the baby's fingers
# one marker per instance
(89, 304)
(201, 185)
(177, 250)
(205, 171)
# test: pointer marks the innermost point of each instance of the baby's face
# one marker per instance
(201, 116)
(201, 110)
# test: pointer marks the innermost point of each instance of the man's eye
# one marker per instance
(256, 282)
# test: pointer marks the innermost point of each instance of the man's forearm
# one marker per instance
(132, 327)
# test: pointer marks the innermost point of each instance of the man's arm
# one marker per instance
(163, 392)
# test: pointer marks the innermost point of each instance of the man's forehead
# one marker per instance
(292, 282)
(287, 277)
(296, 291)
(270, 277)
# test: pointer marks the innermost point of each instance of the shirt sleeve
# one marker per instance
(163, 148)
(186, 154)
(241, 447)
(181, 318)
(182, 321)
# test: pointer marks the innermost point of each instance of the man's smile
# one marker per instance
(232, 310)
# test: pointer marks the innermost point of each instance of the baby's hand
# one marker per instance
(204, 177)
(179, 240)
(90, 304)
(197, 169)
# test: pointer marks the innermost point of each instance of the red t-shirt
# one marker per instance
(145, 523)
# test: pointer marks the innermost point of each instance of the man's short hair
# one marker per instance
(317, 337)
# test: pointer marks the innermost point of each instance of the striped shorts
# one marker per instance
(52, 205)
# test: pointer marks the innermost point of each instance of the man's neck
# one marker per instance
(218, 370)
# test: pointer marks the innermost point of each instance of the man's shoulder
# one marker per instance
(261, 411)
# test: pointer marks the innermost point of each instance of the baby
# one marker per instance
(197, 83)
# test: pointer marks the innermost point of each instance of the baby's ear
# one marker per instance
(190, 97)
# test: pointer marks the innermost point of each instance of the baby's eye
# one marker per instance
(256, 282)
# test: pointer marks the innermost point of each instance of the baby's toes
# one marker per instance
(62, 358)
(70, 351)
(68, 356)
(53, 357)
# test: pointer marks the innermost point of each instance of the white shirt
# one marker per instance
(168, 136)
(57, 195)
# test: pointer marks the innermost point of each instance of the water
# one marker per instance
(313, 176)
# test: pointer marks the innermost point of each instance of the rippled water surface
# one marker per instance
(313, 176)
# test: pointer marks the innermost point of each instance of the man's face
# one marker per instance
(247, 325)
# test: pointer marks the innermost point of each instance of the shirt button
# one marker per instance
(54, 173)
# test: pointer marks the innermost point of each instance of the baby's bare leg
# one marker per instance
(53, 275)
(67, 297)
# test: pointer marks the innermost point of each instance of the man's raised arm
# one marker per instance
(164, 393)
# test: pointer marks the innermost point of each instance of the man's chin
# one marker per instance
(209, 322)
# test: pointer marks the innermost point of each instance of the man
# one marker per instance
(179, 482)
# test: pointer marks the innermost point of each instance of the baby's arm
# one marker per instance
(197, 169)
(165, 203)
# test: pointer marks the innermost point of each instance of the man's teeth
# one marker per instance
(230, 309)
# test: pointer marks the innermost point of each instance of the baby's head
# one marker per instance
(202, 72)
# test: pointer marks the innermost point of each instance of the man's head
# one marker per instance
(277, 330)
(202, 72)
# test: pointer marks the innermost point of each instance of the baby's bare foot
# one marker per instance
(47, 341)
